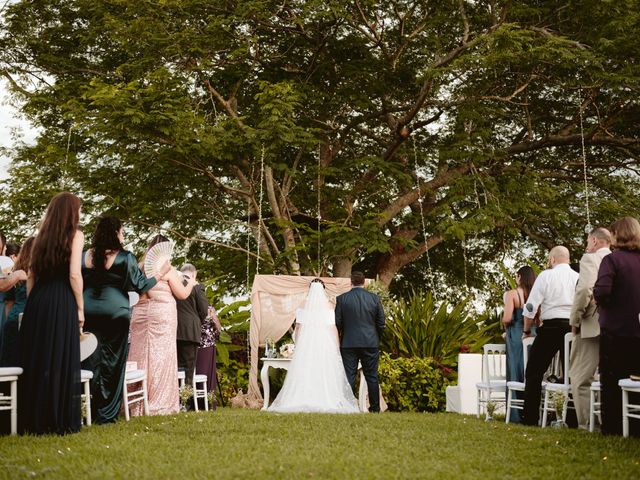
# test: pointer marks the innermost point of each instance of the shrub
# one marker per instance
(412, 384)
(232, 376)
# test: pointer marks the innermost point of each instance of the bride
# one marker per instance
(316, 380)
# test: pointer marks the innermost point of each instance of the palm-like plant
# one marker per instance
(417, 327)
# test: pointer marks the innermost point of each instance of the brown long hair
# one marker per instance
(52, 247)
(626, 232)
(24, 258)
(527, 279)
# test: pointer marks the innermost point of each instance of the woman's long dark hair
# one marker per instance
(105, 238)
(527, 278)
(52, 248)
(24, 258)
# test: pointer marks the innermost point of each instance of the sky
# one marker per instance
(13, 128)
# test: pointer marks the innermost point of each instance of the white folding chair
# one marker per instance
(10, 402)
(133, 377)
(494, 375)
(629, 410)
(85, 378)
(595, 405)
(200, 391)
(181, 378)
(564, 387)
(513, 386)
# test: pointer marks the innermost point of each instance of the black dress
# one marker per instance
(49, 350)
(107, 316)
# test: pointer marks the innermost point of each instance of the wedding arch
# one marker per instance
(274, 300)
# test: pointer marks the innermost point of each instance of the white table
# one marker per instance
(284, 363)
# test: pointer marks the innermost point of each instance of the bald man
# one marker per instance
(552, 293)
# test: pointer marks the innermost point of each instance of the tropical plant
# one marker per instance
(419, 327)
(234, 320)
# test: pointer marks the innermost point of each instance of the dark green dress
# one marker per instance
(107, 315)
(9, 356)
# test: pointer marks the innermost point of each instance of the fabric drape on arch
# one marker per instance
(274, 300)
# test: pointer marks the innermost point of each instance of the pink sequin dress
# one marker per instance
(154, 323)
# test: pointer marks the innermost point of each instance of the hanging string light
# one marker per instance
(422, 221)
(260, 197)
(584, 167)
(319, 217)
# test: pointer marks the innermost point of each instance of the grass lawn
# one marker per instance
(250, 444)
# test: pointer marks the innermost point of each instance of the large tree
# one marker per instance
(379, 131)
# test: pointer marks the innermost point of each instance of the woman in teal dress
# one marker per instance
(7, 283)
(18, 298)
(513, 322)
(109, 273)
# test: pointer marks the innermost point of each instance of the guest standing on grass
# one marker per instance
(206, 359)
(617, 293)
(513, 321)
(49, 387)
(584, 356)
(192, 313)
(552, 293)
(17, 297)
(109, 273)
(154, 323)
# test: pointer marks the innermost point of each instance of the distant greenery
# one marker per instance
(232, 444)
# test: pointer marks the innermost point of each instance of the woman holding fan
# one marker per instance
(154, 324)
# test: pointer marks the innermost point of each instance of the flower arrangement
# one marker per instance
(287, 350)
(558, 399)
(186, 394)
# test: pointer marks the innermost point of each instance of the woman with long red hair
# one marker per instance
(49, 387)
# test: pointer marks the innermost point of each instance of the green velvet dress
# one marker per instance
(107, 315)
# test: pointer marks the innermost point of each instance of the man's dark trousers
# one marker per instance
(368, 357)
(549, 341)
(187, 354)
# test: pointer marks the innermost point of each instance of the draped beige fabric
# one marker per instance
(274, 300)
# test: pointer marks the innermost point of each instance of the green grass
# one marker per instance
(250, 444)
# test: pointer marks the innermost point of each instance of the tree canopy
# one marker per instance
(418, 140)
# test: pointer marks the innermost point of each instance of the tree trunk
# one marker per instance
(342, 267)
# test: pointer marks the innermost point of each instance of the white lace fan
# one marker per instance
(156, 256)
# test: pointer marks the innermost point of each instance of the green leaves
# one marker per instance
(412, 384)
(419, 327)
(160, 111)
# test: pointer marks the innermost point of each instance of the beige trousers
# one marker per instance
(583, 364)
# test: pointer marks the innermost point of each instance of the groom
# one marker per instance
(360, 321)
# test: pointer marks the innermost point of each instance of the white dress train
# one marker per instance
(316, 380)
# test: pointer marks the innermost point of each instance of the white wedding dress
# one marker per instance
(316, 381)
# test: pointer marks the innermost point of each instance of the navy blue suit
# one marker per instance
(360, 321)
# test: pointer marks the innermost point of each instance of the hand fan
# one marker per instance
(6, 265)
(156, 256)
(88, 345)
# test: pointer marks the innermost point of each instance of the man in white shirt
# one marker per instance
(585, 349)
(552, 293)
